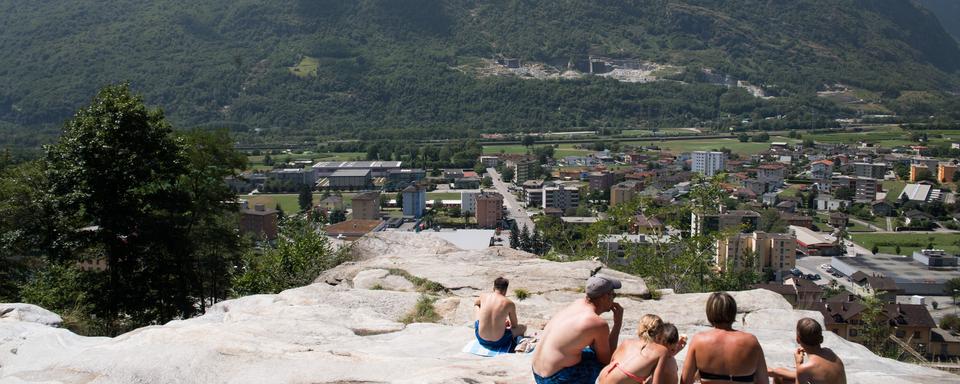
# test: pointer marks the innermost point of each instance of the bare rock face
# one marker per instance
(29, 313)
(342, 330)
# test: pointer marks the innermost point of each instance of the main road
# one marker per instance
(515, 211)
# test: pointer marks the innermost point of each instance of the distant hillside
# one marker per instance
(948, 12)
(302, 69)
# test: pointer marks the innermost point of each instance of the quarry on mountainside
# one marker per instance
(346, 328)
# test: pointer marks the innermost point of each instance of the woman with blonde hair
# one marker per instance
(644, 358)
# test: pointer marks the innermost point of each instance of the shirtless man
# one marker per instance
(496, 326)
(560, 357)
(822, 366)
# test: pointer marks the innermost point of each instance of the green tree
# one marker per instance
(212, 220)
(525, 239)
(151, 204)
(952, 288)
(876, 326)
(486, 182)
(875, 250)
(897, 250)
(528, 140)
(844, 193)
(305, 198)
(743, 137)
(114, 172)
(507, 175)
(337, 216)
(515, 238)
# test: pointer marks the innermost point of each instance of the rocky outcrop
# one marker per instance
(346, 327)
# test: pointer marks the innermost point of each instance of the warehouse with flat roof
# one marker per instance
(377, 168)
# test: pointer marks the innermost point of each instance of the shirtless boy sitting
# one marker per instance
(822, 366)
(496, 326)
(561, 357)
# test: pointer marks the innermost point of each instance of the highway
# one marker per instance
(514, 208)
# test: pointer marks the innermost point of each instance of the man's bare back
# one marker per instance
(568, 332)
(493, 313)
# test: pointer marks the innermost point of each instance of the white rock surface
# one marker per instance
(29, 313)
(344, 333)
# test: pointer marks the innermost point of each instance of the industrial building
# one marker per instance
(377, 168)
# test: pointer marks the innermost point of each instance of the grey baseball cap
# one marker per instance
(599, 285)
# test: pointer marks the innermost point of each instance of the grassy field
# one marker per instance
(431, 196)
(289, 202)
(908, 242)
(306, 68)
(893, 188)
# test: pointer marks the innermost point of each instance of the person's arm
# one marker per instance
(802, 371)
(783, 374)
(512, 315)
(761, 376)
(690, 363)
(601, 345)
(614, 337)
(659, 373)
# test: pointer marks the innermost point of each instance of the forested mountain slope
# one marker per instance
(395, 67)
(948, 12)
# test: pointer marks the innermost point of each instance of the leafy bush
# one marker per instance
(300, 256)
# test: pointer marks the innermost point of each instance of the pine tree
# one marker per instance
(514, 238)
(305, 199)
(537, 245)
(525, 239)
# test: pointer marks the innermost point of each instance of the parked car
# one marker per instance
(815, 277)
(825, 266)
(796, 272)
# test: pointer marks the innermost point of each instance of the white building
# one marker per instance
(560, 197)
(708, 163)
(468, 202)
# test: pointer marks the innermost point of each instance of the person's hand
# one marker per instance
(680, 344)
(617, 313)
(798, 356)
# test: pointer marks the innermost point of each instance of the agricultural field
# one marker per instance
(908, 242)
(748, 148)
(886, 136)
(558, 152)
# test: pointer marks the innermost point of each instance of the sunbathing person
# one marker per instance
(648, 357)
(722, 354)
(561, 356)
(822, 366)
(496, 326)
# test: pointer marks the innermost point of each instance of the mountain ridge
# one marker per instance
(386, 65)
